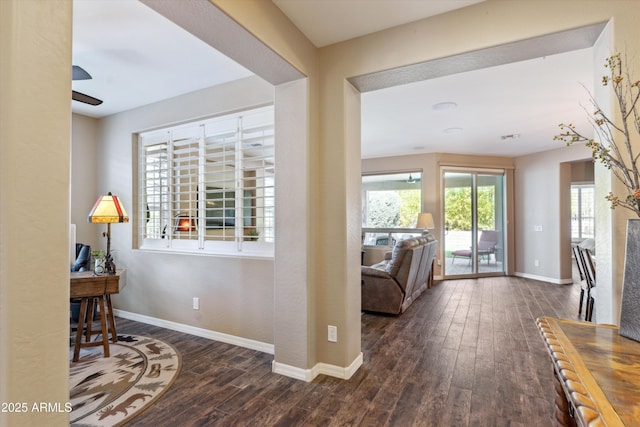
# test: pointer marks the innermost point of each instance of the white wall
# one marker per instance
(84, 180)
(236, 294)
(539, 202)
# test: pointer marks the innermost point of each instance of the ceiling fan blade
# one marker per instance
(78, 73)
(81, 97)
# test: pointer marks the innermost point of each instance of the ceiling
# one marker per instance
(137, 57)
(328, 22)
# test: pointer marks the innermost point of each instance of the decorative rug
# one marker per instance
(110, 391)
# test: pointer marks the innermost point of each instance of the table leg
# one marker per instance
(112, 321)
(81, 319)
(103, 323)
(89, 320)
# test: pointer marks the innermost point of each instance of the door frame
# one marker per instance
(507, 177)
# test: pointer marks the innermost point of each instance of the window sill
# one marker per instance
(247, 254)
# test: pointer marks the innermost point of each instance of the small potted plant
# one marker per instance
(254, 234)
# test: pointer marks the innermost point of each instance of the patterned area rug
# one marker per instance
(110, 391)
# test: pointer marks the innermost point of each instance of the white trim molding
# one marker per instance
(279, 368)
(544, 279)
(199, 332)
(308, 375)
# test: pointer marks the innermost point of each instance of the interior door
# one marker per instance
(473, 212)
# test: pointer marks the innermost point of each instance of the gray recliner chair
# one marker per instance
(392, 285)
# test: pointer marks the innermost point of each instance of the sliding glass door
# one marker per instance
(474, 222)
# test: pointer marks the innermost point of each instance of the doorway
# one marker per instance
(474, 218)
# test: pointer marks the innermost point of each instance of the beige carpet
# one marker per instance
(110, 391)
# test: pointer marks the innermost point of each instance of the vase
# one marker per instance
(99, 267)
(630, 309)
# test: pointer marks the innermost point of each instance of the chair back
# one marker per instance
(579, 261)
(589, 267)
(83, 258)
(488, 240)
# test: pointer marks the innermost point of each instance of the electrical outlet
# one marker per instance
(536, 263)
(196, 303)
(332, 333)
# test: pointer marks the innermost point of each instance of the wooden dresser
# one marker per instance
(597, 373)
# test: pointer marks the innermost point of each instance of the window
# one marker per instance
(391, 200)
(582, 211)
(209, 186)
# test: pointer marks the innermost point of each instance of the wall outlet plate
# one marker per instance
(332, 333)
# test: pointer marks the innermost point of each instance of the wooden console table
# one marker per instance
(89, 287)
(596, 371)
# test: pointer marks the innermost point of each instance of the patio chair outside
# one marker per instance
(486, 246)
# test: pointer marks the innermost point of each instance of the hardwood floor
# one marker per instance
(466, 353)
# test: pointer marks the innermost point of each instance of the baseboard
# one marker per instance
(308, 375)
(199, 332)
(279, 368)
(337, 371)
(292, 371)
(544, 279)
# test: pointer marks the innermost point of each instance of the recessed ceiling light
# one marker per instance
(510, 136)
(441, 106)
(452, 131)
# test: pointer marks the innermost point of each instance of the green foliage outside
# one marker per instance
(393, 208)
(458, 208)
(410, 208)
(400, 208)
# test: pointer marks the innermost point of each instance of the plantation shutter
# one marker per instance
(154, 185)
(209, 186)
(257, 166)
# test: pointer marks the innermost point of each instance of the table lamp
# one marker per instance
(108, 210)
(185, 223)
(425, 221)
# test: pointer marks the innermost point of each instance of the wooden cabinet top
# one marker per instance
(87, 284)
(599, 370)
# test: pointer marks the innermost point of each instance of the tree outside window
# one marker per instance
(391, 200)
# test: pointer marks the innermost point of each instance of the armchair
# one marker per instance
(392, 285)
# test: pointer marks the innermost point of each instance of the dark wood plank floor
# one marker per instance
(466, 353)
